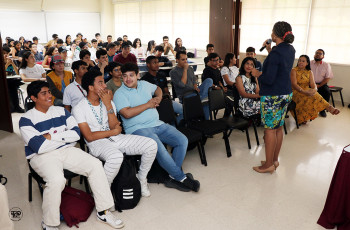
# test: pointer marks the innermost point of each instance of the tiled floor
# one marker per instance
(232, 195)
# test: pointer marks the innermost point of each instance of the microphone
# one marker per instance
(268, 42)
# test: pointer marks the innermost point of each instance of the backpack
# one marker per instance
(126, 188)
(76, 206)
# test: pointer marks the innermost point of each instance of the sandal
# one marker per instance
(333, 111)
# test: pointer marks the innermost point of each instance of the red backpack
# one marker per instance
(76, 206)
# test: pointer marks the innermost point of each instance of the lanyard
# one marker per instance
(99, 119)
(81, 90)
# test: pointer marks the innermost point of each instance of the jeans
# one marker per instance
(169, 135)
(178, 110)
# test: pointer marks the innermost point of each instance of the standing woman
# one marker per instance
(275, 92)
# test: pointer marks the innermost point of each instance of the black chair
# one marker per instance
(216, 103)
(291, 108)
(334, 89)
(194, 119)
(67, 174)
(167, 115)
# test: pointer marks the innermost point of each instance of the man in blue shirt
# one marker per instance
(136, 101)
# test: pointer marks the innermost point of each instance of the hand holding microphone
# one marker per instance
(266, 44)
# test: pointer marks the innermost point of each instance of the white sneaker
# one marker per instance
(45, 227)
(144, 187)
(109, 218)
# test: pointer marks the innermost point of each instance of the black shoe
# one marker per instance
(189, 175)
(349, 106)
(323, 113)
(171, 183)
(194, 185)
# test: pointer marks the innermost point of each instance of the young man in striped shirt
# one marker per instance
(50, 134)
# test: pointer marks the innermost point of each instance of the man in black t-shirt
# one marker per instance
(159, 78)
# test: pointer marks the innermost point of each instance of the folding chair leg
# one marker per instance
(256, 133)
(341, 97)
(248, 138)
(30, 187)
(70, 183)
(227, 144)
(228, 135)
(86, 183)
(332, 99)
(296, 119)
(285, 128)
(201, 152)
(81, 179)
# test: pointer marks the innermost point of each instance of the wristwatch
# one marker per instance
(111, 111)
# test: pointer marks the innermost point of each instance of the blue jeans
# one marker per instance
(169, 135)
(178, 109)
(203, 93)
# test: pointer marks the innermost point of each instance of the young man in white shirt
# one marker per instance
(50, 134)
(102, 131)
(74, 91)
(93, 50)
(67, 60)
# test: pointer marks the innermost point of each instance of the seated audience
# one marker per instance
(163, 61)
(323, 74)
(184, 80)
(12, 84)
(67, 59)
(250, 52)
(48, 55)
(125, 39)
(114, 71)
(167, 46)
(125, 56)
(248, 89)
(308, 101)
(178, 46)
(29, 70)
(74, 92)
(158, 78)
(85, 56)
(93, 50)
(25, 48)
(37, 55)
(111, 50)
(99, 40)
(50, 149)
(151, 48)
(59, 43)
(210, 49)
(229, 73)
(58, 79)
(39, 46)
(137, 48)
(102, 59)
(136, 101)
(109, 41)
(68, 40)
(21, 40)
(103, 135)
(15, 51)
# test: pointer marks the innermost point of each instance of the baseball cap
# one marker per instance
(57, 59)
(62, 49)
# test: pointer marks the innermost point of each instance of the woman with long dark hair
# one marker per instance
(49, 53)
(29, 70)
(151, 48)
(137, 48)
(178, 45)
(275, 92)
(68, 40)
(308, 102)
(248, 89)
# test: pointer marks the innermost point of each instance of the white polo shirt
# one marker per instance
(73, 94)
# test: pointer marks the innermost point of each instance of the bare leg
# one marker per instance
(270, 146)
(279, 136)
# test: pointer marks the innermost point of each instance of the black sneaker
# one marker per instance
(323, 113)
(194, 185)
(171, 183)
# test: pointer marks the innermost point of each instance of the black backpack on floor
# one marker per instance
(157, 174)
(126, 188)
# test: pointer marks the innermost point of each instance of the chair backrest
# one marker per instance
(166, 111)
(192, 106)
(28, 104)
(216, 99)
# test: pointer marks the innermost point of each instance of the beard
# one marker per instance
(318, 59)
